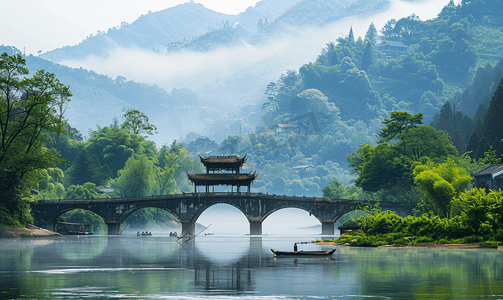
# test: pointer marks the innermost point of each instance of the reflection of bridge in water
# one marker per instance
(188, 207)
(202, 264)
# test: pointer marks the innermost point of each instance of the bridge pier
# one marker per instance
(114, 228)
(327, 228)
(255, 228)
(188, 228)
(47, 225)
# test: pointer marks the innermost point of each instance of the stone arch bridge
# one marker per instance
(188, 207)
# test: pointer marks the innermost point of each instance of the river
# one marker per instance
(240, 266)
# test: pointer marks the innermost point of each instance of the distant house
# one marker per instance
(392, 47)
(490, 176)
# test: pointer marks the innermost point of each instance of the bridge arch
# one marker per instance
(225, 218)
(65, 210)
(132, 210)
(205, 208)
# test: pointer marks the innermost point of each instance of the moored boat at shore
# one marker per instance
(303, 253)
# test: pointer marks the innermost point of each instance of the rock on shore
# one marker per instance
(29, 231)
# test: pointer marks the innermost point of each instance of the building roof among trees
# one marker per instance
(392, 44)
(493, 170)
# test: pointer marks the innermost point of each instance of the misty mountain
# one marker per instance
(322, 12)
(98, 99)
(192, 22)
(152, 31)
(265, 9)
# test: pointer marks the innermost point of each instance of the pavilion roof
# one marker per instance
(222, 179)
(223, 161)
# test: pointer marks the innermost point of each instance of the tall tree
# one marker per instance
(137, 122)
(87, 168)
(371, 34)
(351, 36)
(367, 57)
(399, 122)
(30, 109)
(440, 183)
(493, 123)
(136, 179)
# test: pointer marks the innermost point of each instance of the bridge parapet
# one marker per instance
(195, 195)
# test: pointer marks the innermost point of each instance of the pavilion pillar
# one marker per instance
(327, 228)
(114, 227)
(256, 228)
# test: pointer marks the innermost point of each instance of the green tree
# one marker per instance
(383, 170)
(271, 92)
(335, 190)
(493, 128)
(30, 109)
(136, 179)
(482, 211)
(389, 166)
(399, 122)
(137, 122)
(83, 191)
(87, 168)
(440, 183)
(165, 182)
(351, 36)
(426, 141)
(367, 57)
(113, 146)
(358, 158)
(371, 34)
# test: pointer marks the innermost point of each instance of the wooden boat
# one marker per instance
(66, 228)
(303, 253)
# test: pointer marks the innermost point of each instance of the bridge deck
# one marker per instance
(196, 195)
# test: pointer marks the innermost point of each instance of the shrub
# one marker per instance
(368, 241)
(499, 235)
(489, 244)
(472, 239)
(383, 222)
(423, 240)
(350, 223)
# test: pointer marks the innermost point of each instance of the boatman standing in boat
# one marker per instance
(295, 248)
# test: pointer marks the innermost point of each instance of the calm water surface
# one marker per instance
(229, 267)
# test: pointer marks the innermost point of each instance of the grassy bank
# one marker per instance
(360, 239)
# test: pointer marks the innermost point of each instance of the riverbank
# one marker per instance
(423, 246)
(28, 231)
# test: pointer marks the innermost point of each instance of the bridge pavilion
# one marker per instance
(223, 170)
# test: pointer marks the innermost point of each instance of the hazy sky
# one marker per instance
(49, 24)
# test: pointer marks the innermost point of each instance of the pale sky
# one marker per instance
(49, 24)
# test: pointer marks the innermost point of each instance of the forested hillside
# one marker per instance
(319, 13)
(356, 83)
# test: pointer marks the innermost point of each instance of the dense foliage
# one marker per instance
(477, 220)
(30, 110)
